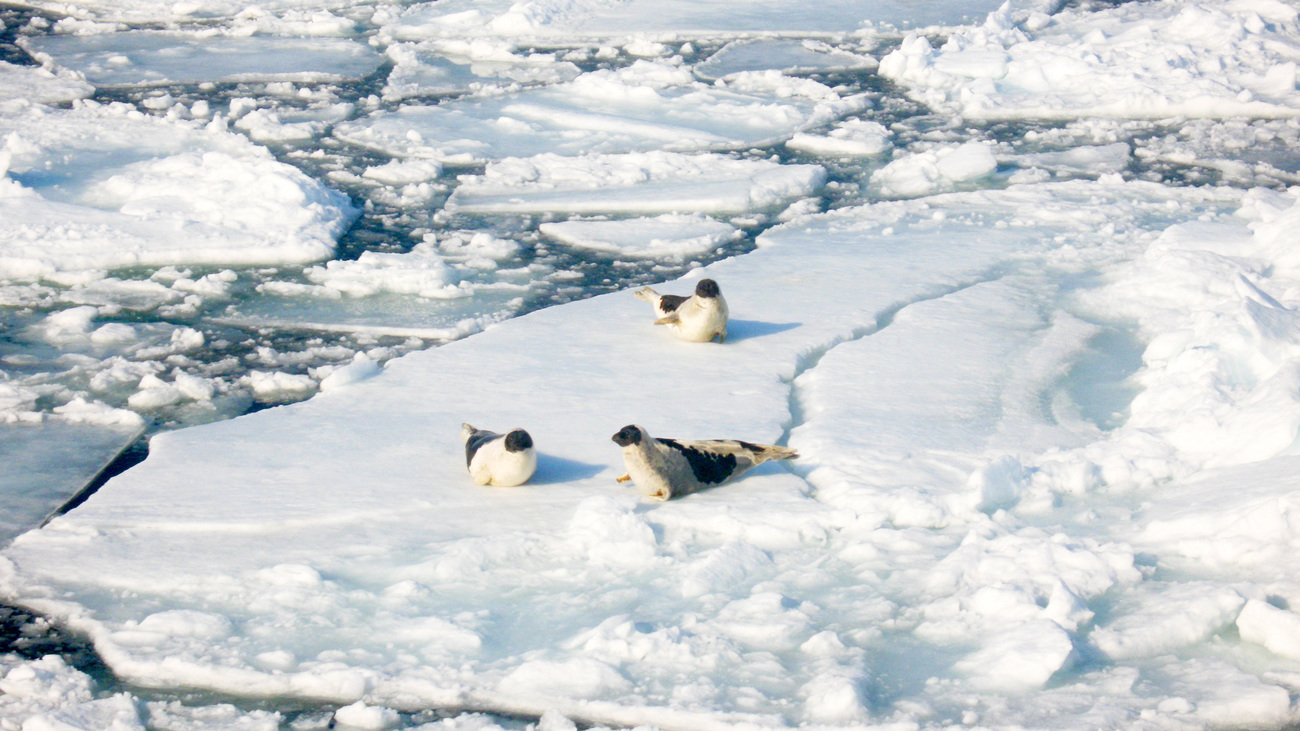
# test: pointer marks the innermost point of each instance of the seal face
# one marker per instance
(707, 288)
(627, 436)
(668, 468)
(495, 459)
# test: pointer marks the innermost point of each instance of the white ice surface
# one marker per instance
(645, 106)
(106, 187)
(142, 58)
(954, 538)
(39, 86)
(47, 463)
(788, 55)
(449, 66)
(1146, 60)
(671, 18)
(671, 235)
(635, 183)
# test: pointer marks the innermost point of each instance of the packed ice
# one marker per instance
(1019, 284)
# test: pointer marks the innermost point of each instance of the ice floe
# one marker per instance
(97, 187)
(944, 482)
(634, 183)
(644, 106)
(1153, 60)
(140, 58)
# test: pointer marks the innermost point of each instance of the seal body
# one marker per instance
(667, 468)
(700, 318)
(505, 460)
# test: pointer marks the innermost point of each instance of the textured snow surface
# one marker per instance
(1044, 379)
(981, 537)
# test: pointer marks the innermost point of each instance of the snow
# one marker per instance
(709, 587)
(1156, 60)
(138, 58)
(671, 235)
(96, 187)
(649, 182)
(648, 105)
(781, 54)
(1046, 406)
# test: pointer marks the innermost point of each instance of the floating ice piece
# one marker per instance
(649, 182)
(854, 137)
(788, 55)
(50, 462)
(1155, 60)
(1276, 629)
(40, 85)
(1089, 160)
(934, 171)
(585, 18)
(420, 272)
(151, 58)
(313, 17)
(372, 525)
(646, 106)
(437, 68)
(104, 187)
(671, 235)
(1144, 626)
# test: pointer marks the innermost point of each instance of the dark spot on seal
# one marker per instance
(709, 469)
(670, 302)
(627, 436)
(476, 442)
(707, 288)
(518, 440)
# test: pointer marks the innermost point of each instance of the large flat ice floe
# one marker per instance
(645, 106)
(961, 541)
(146, 58)
(636, 183)
(100, 187)
(1135, 61)
(670, 19)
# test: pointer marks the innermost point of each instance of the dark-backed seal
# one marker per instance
(669, 468)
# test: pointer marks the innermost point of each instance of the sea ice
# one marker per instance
(787, 55)
(659, 18)
(939, 525)
(668, 236)
(634, 183)
(1154, 60)
(97, 187)
(440, 68)
(48, 462)
(645, 106)
(142, 58)
(40, 86)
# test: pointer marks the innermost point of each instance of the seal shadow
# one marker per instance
(746, 329)
(552, 470)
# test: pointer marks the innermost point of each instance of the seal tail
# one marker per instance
(647, 294)
(466, 431)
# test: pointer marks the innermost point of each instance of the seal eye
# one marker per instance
(627, 436)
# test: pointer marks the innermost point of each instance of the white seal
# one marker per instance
(498, 459)
(699, 318)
